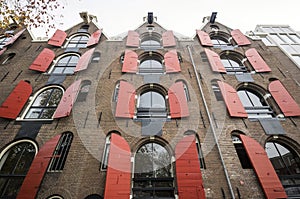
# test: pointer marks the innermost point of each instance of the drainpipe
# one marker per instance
(211, 124)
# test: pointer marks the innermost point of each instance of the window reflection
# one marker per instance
(45, 104)
(153, 172)
(232, 64)
(151, 66)
(79, 41)
(151, 104)
(287, 166)
(14, 165)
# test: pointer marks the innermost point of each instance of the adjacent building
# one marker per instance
(148, 114)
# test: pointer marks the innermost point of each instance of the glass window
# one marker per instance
(296, 47)
(289, 48)
(152, 99)
(286, 38)
(254, 104)
(14, 165)
(219, 42)
(232, 64)
(95, 57)
(55, 197)
(45, 103)
(60, 154)
(66, 64)
(3, 41)
(266, 41)
(286, 163)
(153, 172)
(241, 152)
(216, 90)
(151, 66)
(84, 90)
(295, 38)
(78, 41)
(296, 58)
(277, 39)
(151, 41)
(104, 162)
(116, 92)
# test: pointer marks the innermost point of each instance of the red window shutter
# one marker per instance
(37, 170)
(95, 37)
(215, 61)
(43, 60)
(130, 64)
(65, 105)
(58, 38)
(177, 101)
(118, 174)
(168, 39)
(257, 61)
(171, 62)
(16, 100)
(126, 100)
(84, 60)
(285, 101)
(133, 39)
(204, 38)
(188, 172)
(15, 37)
(240, 38)
(263, 168)
(232, 100)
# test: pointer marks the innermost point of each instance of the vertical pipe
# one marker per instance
(211, 124)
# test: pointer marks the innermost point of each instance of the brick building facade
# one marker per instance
(149, 114)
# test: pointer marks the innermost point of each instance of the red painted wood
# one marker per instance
(16, 100)
(58, 38)
(188, 172)
(215, 61)
(171, 62)
(65, 105)
(130, 64)
(168, 39)
(14, 38)
(177, 101)
(240, 38)
(37, 170)
(133, 39)
(43, 60)
(204, 38)
(118, 174)
(126, 100)
(263, 168)
(232, 100)
(257, 61)
(94, 39)
(84, 60)
(285, 101)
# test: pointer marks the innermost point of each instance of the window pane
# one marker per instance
(33, 113)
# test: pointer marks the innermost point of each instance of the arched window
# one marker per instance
(185, 89)
(241, 152)
(3, 40)
(153, 172)
(151, 103)
(104, 162)
(55, 197)
(286, 163)
(14, 164)
(65, 64)
(116, 92)
(93, 196)
(95, 57)
(60, 154)
(151, 41)
(233, 63)
(198, 145)
(44, 103)
(78, 41)
(151, 63)
(219, 39)
(84, 90)
(216, 89)
(254, 103)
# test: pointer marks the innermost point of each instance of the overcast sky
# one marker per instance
(182, 16)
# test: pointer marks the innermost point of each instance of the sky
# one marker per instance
(182, 16)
